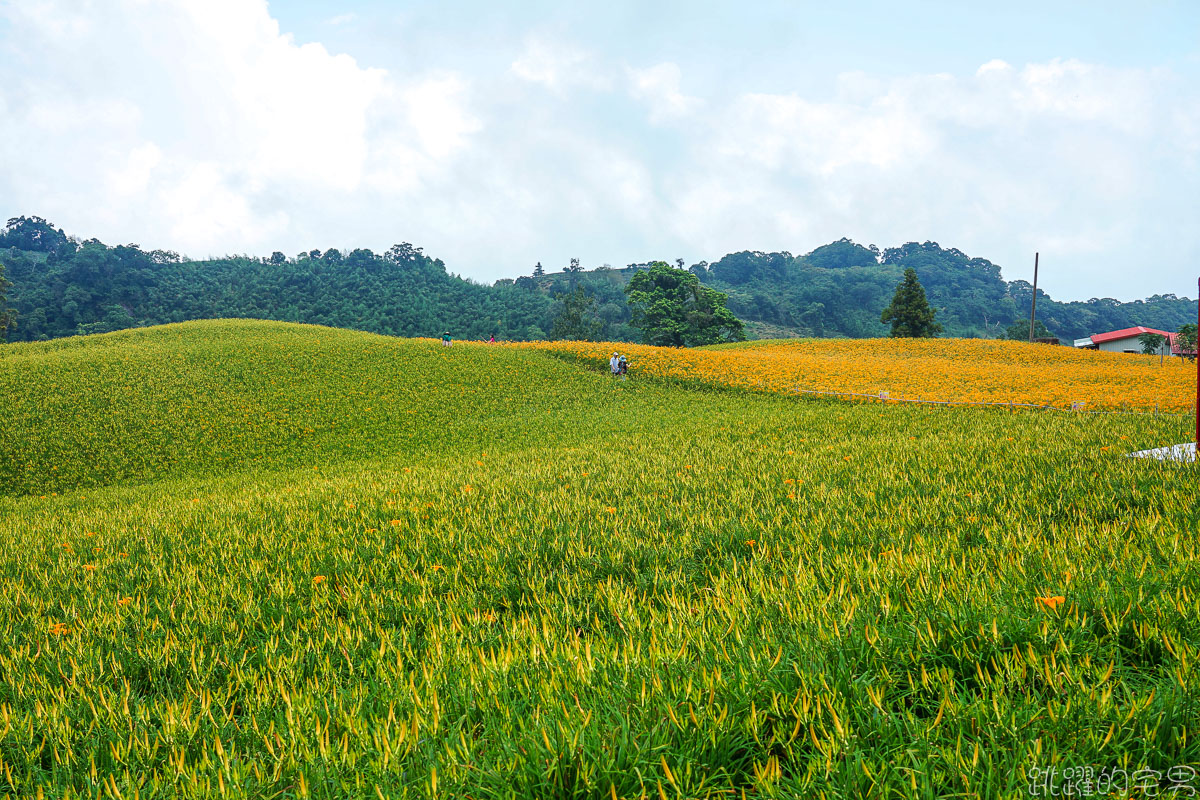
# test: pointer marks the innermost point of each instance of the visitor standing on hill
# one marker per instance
(446, 339)
(622, 367)
(492, 340)
(614, 364)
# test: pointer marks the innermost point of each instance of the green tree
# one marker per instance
(539, 270)
(576, 317)
(843, 254)
(1019, 331)
(909, 313)
(8, 317)
(673, 309)
(35, 234)
(115, 318)
(1151, 342)
(1186, 339)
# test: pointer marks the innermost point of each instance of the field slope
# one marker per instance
(272, 560)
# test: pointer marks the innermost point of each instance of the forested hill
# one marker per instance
(840, 289)
(63, 286)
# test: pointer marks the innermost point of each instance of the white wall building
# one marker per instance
(1124, 341)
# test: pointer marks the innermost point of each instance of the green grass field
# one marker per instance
(252, 559)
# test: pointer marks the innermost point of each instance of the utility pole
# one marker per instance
(1197, 346)
(1033, 306)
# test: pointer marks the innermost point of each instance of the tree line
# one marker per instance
(62, 286)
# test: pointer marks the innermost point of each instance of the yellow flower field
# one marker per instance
(959, 370)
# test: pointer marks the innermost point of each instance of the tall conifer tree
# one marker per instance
(909, 313)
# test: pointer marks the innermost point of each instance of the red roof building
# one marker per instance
(1177, 349)
(1122, 341)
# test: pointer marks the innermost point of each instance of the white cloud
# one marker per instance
(133, 177)
(342, 19)
(1062, 157)
(658, 87)
(558, 65)
(789, 133)
(203, 206)
(996, 65)
(203, 119)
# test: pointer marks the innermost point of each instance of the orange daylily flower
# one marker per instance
(1051, 603)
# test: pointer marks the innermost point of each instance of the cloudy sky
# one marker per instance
(496, 135)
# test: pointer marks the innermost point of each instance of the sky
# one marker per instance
(500, 135)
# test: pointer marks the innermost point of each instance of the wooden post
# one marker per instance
(1033, 305)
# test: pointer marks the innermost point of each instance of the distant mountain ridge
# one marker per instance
(63, 286)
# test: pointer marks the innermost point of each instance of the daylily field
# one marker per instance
(955, 370)
(252, 559)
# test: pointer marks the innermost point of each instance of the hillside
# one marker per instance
(268, 560)
(62, 287)
(210, 397)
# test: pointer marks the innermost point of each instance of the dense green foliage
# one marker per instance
(575, 317)
(1185, 337)
(673, 309)
(402, 292)
(63, 287)
(909, 313)
(1151, 343)
(1019, 331)
(8, 316)
(468, 580)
